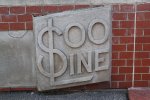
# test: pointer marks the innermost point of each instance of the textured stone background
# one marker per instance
(52, 2)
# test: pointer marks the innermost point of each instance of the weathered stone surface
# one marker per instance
(52, 2)
(17, 59)
(73, 48)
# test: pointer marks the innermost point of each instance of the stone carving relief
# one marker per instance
(73, 48)
(17, 34)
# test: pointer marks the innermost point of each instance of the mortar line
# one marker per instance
(134, 48)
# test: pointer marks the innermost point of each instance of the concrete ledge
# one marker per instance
(65, 95)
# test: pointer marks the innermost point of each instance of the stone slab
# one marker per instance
(73, 48)
(139, 93)
(17, 60)
(60, 2)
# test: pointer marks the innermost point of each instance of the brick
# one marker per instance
(139, 32)
(147, 15)
(137, 62)
(50, 9)
(131, 16)
(126, 8)
(126, 24)
(81, 6)
(143, 24)
(143, 7)
(137, 77)
(118, 62)
(146, 62)
(0, 18)
(101, 85)
(4, 10)
(114, 70)
(118, 77)
(120, 32)
(141, 83)
(66, 7)
(126, 55)
(125, 84)
(126, 40)
(33, 9)
(4, 26)
(115, 8)
(128, 77)
(142, 39)
(114, 85)
(9, 18)
(17, 10)
(116, 40)
(129, 62)
(4, 89)
(138, 47)
(146, 47)
(17, 26)
(119, 47)
(142, 55)
(146, 32)
(29, 26)
(115, 24)
(125, 69)
(120, 16)
(140, 16)
(115, 55)
(145, 76)
(25, 18)
(130, 32)
(141, 69)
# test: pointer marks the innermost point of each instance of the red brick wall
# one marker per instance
(20, 18)
(123, 24)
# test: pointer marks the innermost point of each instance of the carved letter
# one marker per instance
(71, 64)
(51, 52)
(98, 60)
(66, 35)
(81, 59)
(90, 31)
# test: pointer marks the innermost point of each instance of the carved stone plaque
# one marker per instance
(73, 48)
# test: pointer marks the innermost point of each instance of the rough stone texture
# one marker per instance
(17, 60)
(52, 2)
(69, 57)
(139, 93)
(55, 95)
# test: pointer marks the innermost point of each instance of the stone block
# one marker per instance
(17, 59)
(73, 48)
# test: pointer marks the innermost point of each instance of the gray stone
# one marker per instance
(73, 48)
(17, 59)
(60, 2)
